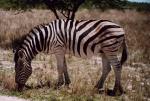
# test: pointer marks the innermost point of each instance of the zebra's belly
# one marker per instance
(89, 53)
(81, 53)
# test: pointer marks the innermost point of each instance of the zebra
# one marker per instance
(84, 39)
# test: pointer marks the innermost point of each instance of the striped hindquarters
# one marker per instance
(93, 37)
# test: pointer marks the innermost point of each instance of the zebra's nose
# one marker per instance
(19, 87)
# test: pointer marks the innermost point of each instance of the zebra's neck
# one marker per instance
(46, 37)
(29, 49)
(36, 41)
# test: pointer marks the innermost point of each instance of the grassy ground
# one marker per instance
(83, 73)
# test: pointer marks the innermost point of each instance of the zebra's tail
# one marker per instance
(124, 53)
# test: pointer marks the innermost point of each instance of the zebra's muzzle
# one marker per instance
(20, 87)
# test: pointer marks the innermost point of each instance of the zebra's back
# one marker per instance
(83, 38)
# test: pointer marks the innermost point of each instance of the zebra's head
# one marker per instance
(22, 69)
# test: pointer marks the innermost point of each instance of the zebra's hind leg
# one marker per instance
(106, 69)
(118, 90)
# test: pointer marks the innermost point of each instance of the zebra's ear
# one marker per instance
(20, 54)
(16, 43)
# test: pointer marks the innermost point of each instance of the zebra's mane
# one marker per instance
(16, 44)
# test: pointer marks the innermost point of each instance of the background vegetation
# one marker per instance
(100, 4)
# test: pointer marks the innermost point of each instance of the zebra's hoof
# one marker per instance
(67, 86)
(101, 91)
(114, 92)
(110, 92)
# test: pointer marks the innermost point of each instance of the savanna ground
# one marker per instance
(84, 73)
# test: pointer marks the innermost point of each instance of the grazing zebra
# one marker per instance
(83, 39)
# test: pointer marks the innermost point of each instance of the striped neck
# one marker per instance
(30, 47)
(37, 40)
(29, 53)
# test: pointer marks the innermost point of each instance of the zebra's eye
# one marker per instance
(20, 64)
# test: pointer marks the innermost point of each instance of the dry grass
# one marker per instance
(7, 80)
(14, 25)
(84, 75)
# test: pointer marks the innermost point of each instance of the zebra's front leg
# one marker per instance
(66, 75)
(106, 69)
(60, 67)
